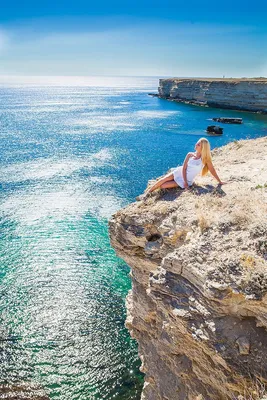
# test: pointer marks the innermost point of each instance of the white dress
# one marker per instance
(194, 166)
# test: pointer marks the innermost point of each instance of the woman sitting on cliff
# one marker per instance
(194, 163)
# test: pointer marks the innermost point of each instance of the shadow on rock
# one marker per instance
(208, 189)
(173, 194)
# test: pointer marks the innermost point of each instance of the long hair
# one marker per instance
(205, 155)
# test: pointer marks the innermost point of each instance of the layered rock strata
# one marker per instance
(239, 94)
(198, 259)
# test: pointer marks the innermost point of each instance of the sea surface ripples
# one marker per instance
(71, 156)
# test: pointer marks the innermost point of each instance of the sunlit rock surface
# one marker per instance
(240, 94)
(22, 391)
(198, 305)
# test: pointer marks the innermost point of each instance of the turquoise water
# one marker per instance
(71, 156)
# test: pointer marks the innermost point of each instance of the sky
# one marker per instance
(184, 38)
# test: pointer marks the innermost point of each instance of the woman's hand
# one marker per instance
(214, 173)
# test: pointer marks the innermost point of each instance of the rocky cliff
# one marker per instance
(198, 304)
(242, 94)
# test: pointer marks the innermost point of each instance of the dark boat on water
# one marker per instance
(214, 130)
(228, 120)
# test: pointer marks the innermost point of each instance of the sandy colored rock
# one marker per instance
(239, 94)
(22, 391)
(198, 304)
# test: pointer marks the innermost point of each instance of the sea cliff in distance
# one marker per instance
(247, 94)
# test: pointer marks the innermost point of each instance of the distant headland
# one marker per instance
(246, 94)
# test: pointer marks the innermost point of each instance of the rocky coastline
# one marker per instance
(236, 94)
(198, 259)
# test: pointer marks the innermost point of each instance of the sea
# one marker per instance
(74, 150)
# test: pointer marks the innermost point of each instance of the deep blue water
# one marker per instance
(70, 157)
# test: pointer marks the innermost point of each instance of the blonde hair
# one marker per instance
(205, 155)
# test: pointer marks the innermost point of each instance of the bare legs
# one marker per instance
(164, 183)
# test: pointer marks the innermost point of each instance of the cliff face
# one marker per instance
(198, 305)
(243, 94)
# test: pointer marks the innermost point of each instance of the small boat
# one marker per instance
(228, 120)
(214, 130)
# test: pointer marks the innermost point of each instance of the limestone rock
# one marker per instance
(198, 305)
(22, 391)
(243, 345)
(239, 94)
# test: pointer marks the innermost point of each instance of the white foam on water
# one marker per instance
(59, 108)
(64, 201)
(101, 179)
(54, 199)
(106, 123)
(49, 168)
(156, 114)
(44, 169)
(104, 206)
(103, 154)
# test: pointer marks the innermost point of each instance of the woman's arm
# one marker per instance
(184, 169)
(213, 172)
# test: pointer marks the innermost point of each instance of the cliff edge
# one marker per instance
(198, 304)
(240, 94)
